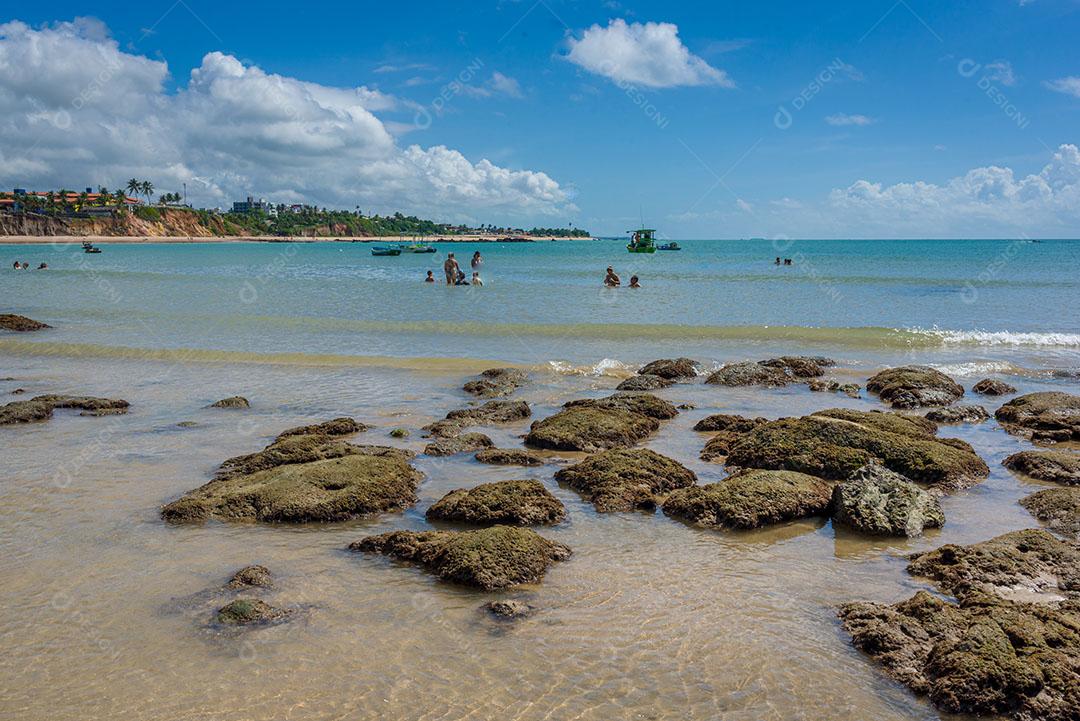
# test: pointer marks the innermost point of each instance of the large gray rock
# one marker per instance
(671, 368)
(993, 387)
(914, 386)
(1054, 466)
(959, 414)
(877, 501)
(1058, 508)
(496, 382)
(1046, 417)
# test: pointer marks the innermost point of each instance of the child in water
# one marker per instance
(634, 282)
(476, 278)
(430, 277)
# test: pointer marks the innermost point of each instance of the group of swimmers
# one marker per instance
(455, 275)
(26, 266)
(787, 261)
(612, 280)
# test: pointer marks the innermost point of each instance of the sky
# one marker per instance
(873, 119)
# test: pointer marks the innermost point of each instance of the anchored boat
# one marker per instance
(669, 246)
(642, 241)
(385, 250)
(420, 248)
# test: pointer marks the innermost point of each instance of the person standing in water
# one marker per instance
(476, 261)
(611, 280)
(450, 267)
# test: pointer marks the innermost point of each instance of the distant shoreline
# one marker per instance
(145, 239)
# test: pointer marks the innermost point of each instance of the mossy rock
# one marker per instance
(40, 408)
(1032, 563)
(728, 429)
(20, 323)
(488, 558)
(876, 501)
(231, 402)
(914, 386)
(671, 368)
(509, 609)
(251, 577)
(496, 412)
(800, 366)
(497, 382)
(513, 503)
(465, 443)
(292, 449)
(984, 655)
(644, 383)
(748, 373)
(993, 387)
(642, 403)
(250, 612)
(626, 479)
(399, 433)
(509, 457)
(751, 499)
(333, 428)
(833, 444)
(1046, 417)
(590, 429)
(961, 413)
(1054, 466)
(333, 489)
(1058, 508)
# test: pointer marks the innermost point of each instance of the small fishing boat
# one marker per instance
(420, 248)
(642, 241)
(88, 247)
(669, 246)
(385, 250)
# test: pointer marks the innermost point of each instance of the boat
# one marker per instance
(385, 250)
(669, 246)
(420, 248)
(88, 247)
(641, 241)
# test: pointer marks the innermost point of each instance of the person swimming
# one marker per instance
(430, 277)
(611, 280)
(777, 260)
(476, 278)
(634, 282)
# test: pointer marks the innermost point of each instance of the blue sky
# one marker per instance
(861, 119)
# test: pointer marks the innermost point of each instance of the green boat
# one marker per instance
(669, 246)
(641, 241)
(385, 250)
(420, 248)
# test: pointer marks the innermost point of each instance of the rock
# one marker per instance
(1058, 508)
(831, 386)
(959, 414)
(851, 390)
(18, 391)
(798, 366)
(728, 429)
(490, 558)
(496, 382)
(1046, 417)
(465, 443)
(231, 402)
(512, 503)
(833, 444)
(751, 499)
(1022, 565)
(22, 324)
(686, 406)
(294, 449)
(250, 612)
(748, 373)
(644, 383)
(360, 481)
(509, 610)
(671, 369)
(491, 413)
(593, 425)
(914, 386)
(40, 408)
(187, 424)
(992, 387)
(983, 655)
(509, 457)
(876, 501)
(399, 433)
(626, 479)
(1054, 466)
(251, 577)
(333, 428)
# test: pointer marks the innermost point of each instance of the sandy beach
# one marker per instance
(104, 239)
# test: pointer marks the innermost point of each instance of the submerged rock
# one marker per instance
(40, 408)
(509, 609)
(489, 558)
(399, 433)
(250, 612)
(1054, 466)
(831, 386)
(833, 444)
(465, 443)
(491, 413)
(20, 323)
(959, 414)
(626, 479)
(1046, 417)
(876, 501)
(496, 382)
(251, 577)
(748, 373)
(592, 425)
(1058, 508)
(231, 402)
(644, 383)
(983, 655)
(509, 457)
(751, 499)
(992, 387)
(671, 368)
(914, 386)
(513, 503)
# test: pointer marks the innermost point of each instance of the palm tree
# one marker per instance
(134, 186)
(147, 189)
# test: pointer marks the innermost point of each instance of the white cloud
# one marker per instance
(1068, 85)
(841, 119)
(1000, 71)
(744, 206)
(79, 111)
(649, 54)
(497, 84)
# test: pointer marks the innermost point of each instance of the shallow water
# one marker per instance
(650, 619)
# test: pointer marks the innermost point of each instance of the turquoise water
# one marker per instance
(544, 301)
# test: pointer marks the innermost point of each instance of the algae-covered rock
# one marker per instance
(1058, 508)
(1046, 417)
(399, 433)
(876, 501)
(1031, 565)
(40, 408)
(497, 382)
(983, 655)
(20, 323)
(489, 558)
(231, 402)
(833, 444)
(333, 489)
(251, 577)
(509, 457)
(291, 449)
(819, 385)
(728, 429)
(748, 373)
(751, 499)
(491, 413)
(333, 428)
(250, 612)
(626, 479)
(671, 368)
(914, 386)
(993, 387)
(959, 414)
(592, 425)
(642, 403)
(644, 383)
(465, 443)
(512, 503)
(800, 366)
(508, 609)
(1054, 466)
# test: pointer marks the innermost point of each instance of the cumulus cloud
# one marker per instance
(1068, 85)
(841, 119)
(78, 111)
(649, 54)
